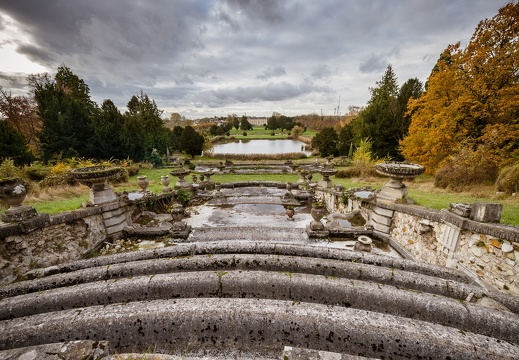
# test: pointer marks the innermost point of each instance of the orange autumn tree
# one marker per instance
(472, 99)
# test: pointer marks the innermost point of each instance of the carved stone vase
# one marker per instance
(317, 213)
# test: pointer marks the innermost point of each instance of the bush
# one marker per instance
(120, 177)
(9, 170)
(508, 180)
(244, 133)
(183, 197)
(358, 172)
(37, 171)
(466, 168)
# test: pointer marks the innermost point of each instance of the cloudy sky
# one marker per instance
(217, 57)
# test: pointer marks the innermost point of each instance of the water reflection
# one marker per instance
(263, 146)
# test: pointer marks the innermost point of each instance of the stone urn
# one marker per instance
(180, 174)
(326, 173)
(164, 180)
(95, 177)
(13, 192)
(290, 213)
(217, 188)
(143, 182)
(302, 176)
(395, 190)
(363, 243)
(317, 213)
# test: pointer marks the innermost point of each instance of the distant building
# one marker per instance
(258, 121)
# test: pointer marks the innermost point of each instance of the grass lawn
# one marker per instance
(259, 132)
(422, 190)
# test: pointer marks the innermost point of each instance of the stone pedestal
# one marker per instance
(393, 191)
(102, 194)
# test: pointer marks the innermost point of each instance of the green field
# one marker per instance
(259, 132)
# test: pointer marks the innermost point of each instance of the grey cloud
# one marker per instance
(206, 52)
(270, 92)
(36, 54)
(270, 11)
(272, 71)
(374, 63)
(321, 72)
(16, 83)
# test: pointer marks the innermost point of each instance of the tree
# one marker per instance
(21, 113)
(144, 127)
(296, 132)
(245, 124)
(109, 132)
(379, 120)
(13, 145)
(326, 142)
(66, 111)
(471, 98)
(191, 142)
(345, 139)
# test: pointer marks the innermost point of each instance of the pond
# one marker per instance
(277, 146)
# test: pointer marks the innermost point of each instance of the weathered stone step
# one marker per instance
(258, 262)
(256, 327)
(271, 285)
(292, 235)
(255, 247)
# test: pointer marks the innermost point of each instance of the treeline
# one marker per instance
(232, 121)
(65, 122)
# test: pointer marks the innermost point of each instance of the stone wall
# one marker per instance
(48, 240)
(488, 252)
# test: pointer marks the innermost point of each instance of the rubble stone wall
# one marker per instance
(48, 240)
(488, 252)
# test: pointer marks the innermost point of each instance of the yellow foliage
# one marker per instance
(60, 168)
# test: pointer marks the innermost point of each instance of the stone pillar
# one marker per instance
(381, 220)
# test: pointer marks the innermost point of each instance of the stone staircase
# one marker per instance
(258, 299)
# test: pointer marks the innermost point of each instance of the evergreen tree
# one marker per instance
(191, 142)
(380, 117)
(326, 142)
(66, 111)
(109, 132)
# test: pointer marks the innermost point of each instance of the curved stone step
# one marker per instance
(252, 326)
(271, 285)
(279, 263)
(288, 234)
(257, 247)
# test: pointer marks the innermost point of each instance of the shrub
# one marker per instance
(60, 168)
(508, 180)
(183, 197)
(37, 171)
(467, 167)
(120, 177)
(9, 170)
(244, 133)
